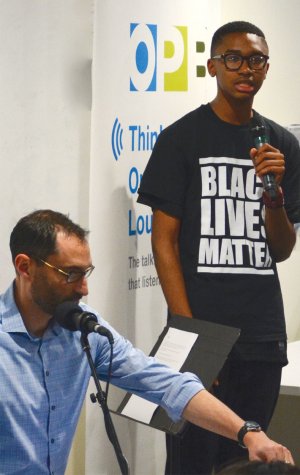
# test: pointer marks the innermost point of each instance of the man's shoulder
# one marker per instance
(276, 130)
(189, 120)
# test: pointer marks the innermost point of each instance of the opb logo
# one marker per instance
(158, 65)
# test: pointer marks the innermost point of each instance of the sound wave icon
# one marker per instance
(117, 139)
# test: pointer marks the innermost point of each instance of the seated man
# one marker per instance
(44, 374)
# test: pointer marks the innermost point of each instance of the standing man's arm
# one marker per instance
(165, 245)
(281, 234)
(280, 231)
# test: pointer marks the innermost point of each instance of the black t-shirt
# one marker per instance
(200, 171)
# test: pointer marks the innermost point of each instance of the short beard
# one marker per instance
(46, 298)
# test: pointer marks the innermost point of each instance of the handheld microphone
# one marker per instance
(259, 135)
(70, 315)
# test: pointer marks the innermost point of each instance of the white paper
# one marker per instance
(175, 347)
(173, 351)
(139, 409)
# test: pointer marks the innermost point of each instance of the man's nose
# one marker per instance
(245, 68)
(82, 286)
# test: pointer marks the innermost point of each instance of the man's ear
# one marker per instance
(267, 69)
(211, 68)
(22, 265)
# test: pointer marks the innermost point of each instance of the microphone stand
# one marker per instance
(101, 398)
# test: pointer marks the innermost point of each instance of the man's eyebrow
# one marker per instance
(238, 51)
(230, 50)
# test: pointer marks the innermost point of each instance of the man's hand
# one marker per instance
(280, 231)
(268, 159)
(260, 447)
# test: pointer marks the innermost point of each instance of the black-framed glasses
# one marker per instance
(233, 61)
(72, 276)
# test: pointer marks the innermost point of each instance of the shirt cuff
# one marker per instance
(179, 394)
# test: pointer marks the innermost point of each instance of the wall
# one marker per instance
(45, 100)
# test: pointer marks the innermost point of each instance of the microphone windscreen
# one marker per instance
(65, 314)
(257, 129)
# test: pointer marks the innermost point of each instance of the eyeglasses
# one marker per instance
(233, 62)
(72, 276)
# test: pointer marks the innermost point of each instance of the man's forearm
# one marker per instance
(208, 412)
(280, 232)
(171, 279)
(165, 235)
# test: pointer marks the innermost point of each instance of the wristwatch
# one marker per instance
(249, 426)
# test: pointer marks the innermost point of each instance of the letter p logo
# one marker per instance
(176, 60)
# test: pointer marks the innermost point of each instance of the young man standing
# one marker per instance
(218, 233)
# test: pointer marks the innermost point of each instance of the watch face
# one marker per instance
(251, 425)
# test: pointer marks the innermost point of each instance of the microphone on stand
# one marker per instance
(259, 135)
(70, 315)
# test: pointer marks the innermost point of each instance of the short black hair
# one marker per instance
(233, 27)
(255, 467)
(35, 234)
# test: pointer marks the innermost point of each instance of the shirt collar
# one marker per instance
(12, 321)
(10, 315)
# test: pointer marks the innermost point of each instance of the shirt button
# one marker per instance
(52, 441)
(53, 407)
(47, 373)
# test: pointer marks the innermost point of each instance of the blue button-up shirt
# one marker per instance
(43, 382)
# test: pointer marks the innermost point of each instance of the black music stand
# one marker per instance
(205, 359)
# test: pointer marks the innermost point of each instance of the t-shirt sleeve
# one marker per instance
(291, 179)
(164, 179)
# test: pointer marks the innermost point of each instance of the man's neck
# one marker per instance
(233, 113)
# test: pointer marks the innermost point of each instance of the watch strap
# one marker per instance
(249, 426)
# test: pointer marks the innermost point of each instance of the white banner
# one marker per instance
(149, 68)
